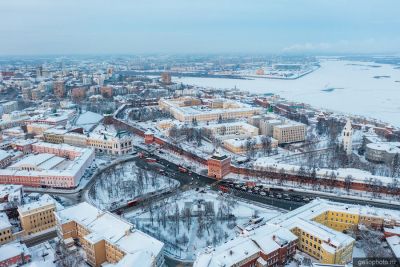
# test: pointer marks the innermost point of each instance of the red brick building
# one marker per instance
(148, 137)
(218, 165)
(14, 254)
(106, 91)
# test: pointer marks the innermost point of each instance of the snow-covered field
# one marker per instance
(360, 88)
(125, 182)
(191, 221)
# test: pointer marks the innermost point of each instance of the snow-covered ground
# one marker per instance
(43, 255)
(116, 186)
(353, 87)
(191, 221)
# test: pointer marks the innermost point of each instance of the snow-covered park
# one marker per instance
(192, 220)
(125, 182)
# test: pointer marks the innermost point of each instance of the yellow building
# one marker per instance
(38, 216)
(290, 132)
(106, 238)
(231, 130)
(6, 234)
(319, 225)
(55, 136)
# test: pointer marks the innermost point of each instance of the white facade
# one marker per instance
(348, 137)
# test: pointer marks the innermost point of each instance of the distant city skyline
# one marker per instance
(48, 27)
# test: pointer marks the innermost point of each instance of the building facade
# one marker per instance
(218, 165)
(6, 234)
(106, 238)
(38, 216)
(289, 133)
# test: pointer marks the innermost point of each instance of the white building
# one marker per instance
(348, 138)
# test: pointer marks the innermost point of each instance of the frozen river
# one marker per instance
(360, 88)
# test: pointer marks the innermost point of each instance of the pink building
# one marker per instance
(52, 165)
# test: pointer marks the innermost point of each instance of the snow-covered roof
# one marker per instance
(44, 201)
(302, 218)
(395, 230)
(50, 165)
(394, 243)
(7, 189)
(11, 250)
(4, 155)
(267, 239)
(4, 221)
(388, 147)
(88, 119)
(104, 225)
(357, 175)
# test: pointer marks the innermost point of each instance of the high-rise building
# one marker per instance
(166, 78)
(59, 89)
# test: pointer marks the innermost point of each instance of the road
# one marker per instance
(40, 238)
(189, 180)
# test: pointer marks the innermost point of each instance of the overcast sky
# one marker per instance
(199, 26)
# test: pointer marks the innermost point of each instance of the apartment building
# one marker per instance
(38, 216)
(6, 234)
(319, 226)
(187, 109)
(289, 132)
(382, 151)
(55, 136)
(106, 238)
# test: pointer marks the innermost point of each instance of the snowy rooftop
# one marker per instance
(266, 238)
(289, 124)
(105, 132)
(88, 119)
(394, 243)
(4, 221)
(304, 216)
(6, 189)
(11, 250)
(40, 160)
(105, 225)
(4, 154)
(358, 175)
(44, 201)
